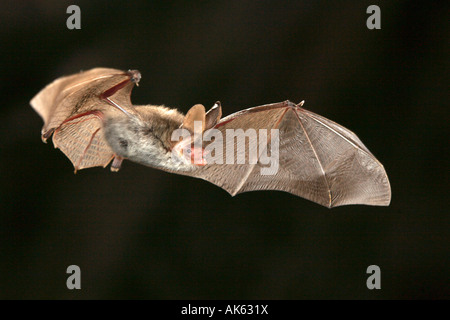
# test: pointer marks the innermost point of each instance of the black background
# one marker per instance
(143, 233)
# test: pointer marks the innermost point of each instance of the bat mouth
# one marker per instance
(188, 153)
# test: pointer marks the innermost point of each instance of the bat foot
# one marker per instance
(47, 135)
(116, 164)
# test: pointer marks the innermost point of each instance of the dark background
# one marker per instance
(144, 233)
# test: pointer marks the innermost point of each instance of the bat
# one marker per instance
(279, 146)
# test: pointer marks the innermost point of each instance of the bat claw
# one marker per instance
(135, 76)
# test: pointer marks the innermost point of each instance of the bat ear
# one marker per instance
(213, 116)
(196, 113)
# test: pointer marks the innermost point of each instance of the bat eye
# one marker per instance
(123, 143)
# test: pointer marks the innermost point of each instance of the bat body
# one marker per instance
(278, 146)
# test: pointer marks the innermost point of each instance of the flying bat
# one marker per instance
(278, 146)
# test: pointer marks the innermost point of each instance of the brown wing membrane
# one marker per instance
(318, 159)
(73, 107)
(81, 140)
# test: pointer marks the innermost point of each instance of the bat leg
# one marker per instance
(116, 164)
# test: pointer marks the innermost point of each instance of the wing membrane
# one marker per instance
(318, 159)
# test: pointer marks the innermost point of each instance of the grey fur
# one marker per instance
(145, 138)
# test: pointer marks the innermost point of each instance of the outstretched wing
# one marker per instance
(73, 108)
(317, 158)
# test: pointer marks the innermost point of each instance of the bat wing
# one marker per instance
(317, 158)
(73, 108)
